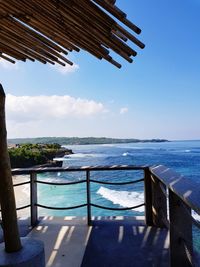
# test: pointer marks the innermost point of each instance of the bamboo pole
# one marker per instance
(112, 2)
(116, 12)
(7, 58)
(7, 198)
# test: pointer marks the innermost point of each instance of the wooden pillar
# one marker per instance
(159, 202)
(7, 197)
(155, 200)
(181, 248)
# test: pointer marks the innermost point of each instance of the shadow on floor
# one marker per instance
(126, 243)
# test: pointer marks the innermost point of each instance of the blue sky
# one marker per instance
(157, 96)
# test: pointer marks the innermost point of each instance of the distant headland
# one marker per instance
(40, 155)
(81, 140)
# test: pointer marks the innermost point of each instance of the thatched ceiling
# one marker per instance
(46, 30)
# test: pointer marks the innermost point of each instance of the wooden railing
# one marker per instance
(168, 200)
(180, 195)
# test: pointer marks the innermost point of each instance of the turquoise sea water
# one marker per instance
(182, 156)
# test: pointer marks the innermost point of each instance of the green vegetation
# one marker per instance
(27, 155)
(79, 141)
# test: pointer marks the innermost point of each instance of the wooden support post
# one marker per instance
(88, 198)
(7, 197)
(159, 202)
(181, 248)
(34, 209)
(148, 197)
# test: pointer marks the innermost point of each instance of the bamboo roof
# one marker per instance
(46, 30)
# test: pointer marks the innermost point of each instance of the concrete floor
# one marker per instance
(113, 241)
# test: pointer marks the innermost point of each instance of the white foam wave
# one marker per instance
(26, 190)
(21, 178)
(77, 156)
(125, 146)
(60, 159)
(123, 198)
(84, 155)
(107, 145)
(180, 150)
(125, 154)
(57, 179)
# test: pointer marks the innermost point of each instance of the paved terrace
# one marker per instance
(110, 241)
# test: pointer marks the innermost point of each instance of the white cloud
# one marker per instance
(67, 69)
(123, 110)
(37, 108)
(8, 65)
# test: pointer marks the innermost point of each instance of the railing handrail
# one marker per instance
(19, 171)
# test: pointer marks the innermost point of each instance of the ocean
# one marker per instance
(181, 156)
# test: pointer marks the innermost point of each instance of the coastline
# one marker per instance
(82, 140)
(22, 195)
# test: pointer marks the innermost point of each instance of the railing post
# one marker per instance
(181, 248)
(148, 197)
(155, 200)
(159, 202)
(33, 191)
(89, 222)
